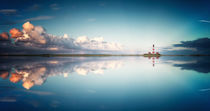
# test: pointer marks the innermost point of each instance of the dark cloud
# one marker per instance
(201, 45)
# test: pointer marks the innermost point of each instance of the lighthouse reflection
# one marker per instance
(89, 82)
(154, 59)
(31, 72)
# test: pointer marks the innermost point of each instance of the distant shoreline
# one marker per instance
(91, 55)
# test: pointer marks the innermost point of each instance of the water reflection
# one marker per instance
(91, 83)
(199, 64)
(36, 71)
(153, 60)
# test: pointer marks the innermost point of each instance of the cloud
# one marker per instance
(41, 93)
(15, 77)
(202, 43)
(8, 11)
(198, 46)
(198, 64)
(4, 36)
(54, 6)
(39, 18)
(36, 71)
(35, 38)
(4, 74)
(15, 33)
(28, 27)
(33, 34)
(8, 99)
(97, 43)
(204, 90)
(65, 36)
(205, 21)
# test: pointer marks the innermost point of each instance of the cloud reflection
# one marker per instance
(198, 64)
(35, 72)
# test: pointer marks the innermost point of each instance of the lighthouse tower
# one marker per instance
(153, 52)
(153, 49)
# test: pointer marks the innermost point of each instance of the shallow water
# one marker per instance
(105, 83)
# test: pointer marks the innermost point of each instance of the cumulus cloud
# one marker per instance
(65, 36)
(15, 77)
(28, 27)
(15, 33)
(39, 18)
(36, 38)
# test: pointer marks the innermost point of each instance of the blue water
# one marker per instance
(105, 83)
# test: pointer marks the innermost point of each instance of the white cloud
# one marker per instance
(179, 48)
(66, 36)
(41, 93)
(39, 18)
(8, 11)
(8, 99)
(97, 43)
(205, 21)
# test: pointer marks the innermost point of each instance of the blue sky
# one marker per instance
(137, 24)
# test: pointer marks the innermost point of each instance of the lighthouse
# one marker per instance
(153, 49)
(152, 53)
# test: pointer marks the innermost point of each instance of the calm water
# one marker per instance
(105, 83)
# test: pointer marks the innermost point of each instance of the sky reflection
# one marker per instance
(104, 83)
(36, 72)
